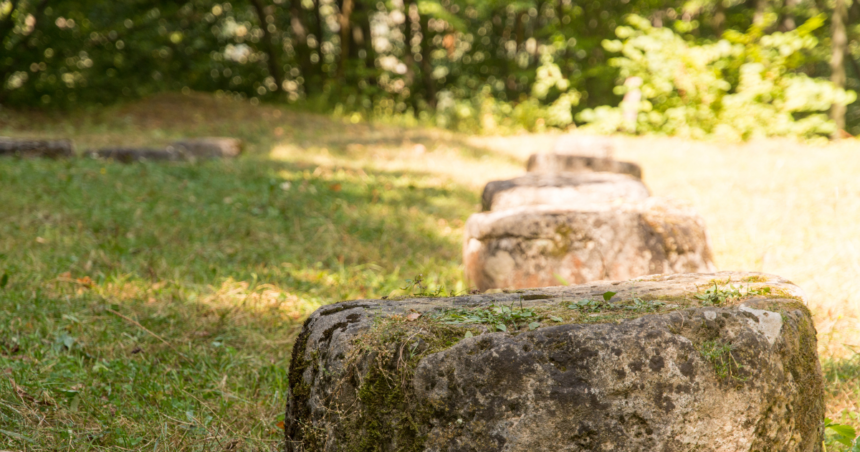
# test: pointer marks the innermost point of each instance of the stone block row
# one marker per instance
(182, 150)
(576, 218)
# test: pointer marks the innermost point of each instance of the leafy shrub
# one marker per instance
(550, 104)
(740, 87)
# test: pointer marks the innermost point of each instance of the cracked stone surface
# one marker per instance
(364, 377)
(539, 246)
(561, 189)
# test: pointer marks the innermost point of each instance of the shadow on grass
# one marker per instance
(154, 306)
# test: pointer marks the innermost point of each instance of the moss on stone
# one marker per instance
(388, 412)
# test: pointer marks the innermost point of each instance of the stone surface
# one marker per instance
(20, 147)
(190, 149)
(585, 145)
(561, 189)
(210, 147)
(560, 163)
(365, 377)
(539, 246)
(128, 155)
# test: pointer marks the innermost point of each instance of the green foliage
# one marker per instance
(490, 66)
(844, 435)
(740, 87)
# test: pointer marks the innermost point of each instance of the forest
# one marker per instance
(729, 69)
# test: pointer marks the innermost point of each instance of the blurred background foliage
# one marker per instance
(697, 68)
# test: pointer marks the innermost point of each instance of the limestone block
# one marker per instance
(655, 368)
(19, 147)
(539, 246)
(585, 145)
(210, 147)
(560, 163)
(561, 189)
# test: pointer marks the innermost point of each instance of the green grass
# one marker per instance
(153, 306)
(221, 260)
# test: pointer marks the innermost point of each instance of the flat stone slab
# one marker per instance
(209, 147)
(585, 145)
(692, 362)
(183, 150)
(128, 155)
(31, 148)
(568, 163)
(539, 246)
(561, 189)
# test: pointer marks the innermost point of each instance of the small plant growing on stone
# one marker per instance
(640, 305)
(415, 287)
(501, 318)
(714, 296)
(586, 306)
(719, 354)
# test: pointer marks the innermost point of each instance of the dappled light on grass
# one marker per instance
(154, 306)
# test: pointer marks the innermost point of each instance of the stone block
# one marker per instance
(561, 163)
(585, 145)
(210, 147)
(128, 155)
(539, 246)
(29, 148)
(663, 365)
(561, 189)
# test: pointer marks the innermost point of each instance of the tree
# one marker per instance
(839, 45)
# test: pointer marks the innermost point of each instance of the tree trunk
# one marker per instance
(719, 19)
(758, 17)
(318, 23)
(837, 59)
(345, 37)
(303, 51)
(273, 61)
(408, 57)
(426, 64)
(369, 51)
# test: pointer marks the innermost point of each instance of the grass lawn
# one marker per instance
(153, 306)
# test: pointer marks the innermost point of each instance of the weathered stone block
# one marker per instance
(561, 189)
(190, 149)
(19, 147)
(210, 147)
(128, 155)
(539, 246)
(662, 366)
(561, 163)
(585, 145)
